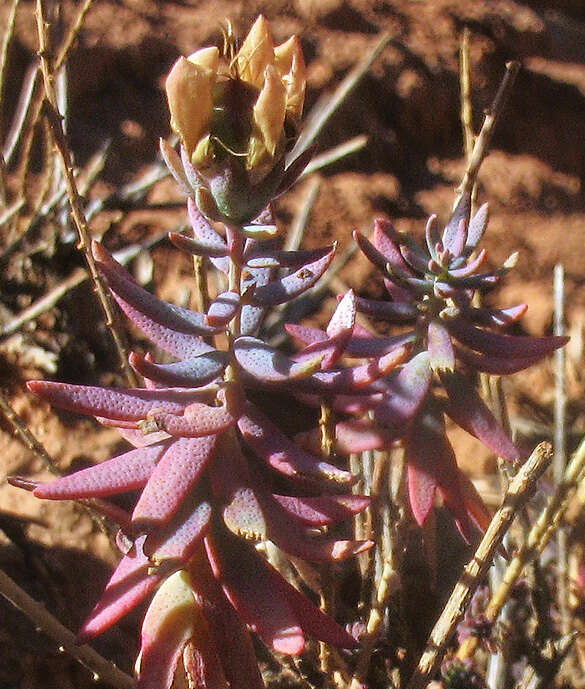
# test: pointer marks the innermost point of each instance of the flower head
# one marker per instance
(237, 116)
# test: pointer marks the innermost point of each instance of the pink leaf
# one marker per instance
(117, 475)
(172, 480)
(193, 372)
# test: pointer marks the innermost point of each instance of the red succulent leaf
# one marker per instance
(322, 510)
(404, 394)
(477, 227)
(129, 585)
(455, 235)
(133, 404)
(172, 480)
(205, 234)
(280, 453)
(469, 411)
(495, 364)
(117, 475)
(505, 346)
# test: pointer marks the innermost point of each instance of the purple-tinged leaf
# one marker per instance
(229, 636)
(495, 318)
(432, 235)
(267, 364)
(142, 306)
(200, 419)
(454, 236)
(343, 318)
(440, 347)
(204, 233)
(117, 475)
(172, 480)
(178, 539)
(287, 288)
(405, 394)
(425, 449)
(223, 308)
(253, 278)
(279, 452)
(197, 248)
(248, 585)
(258, 256)
(167, 626)
(432, 466)
(384, 240)
(495, 365)
(131, 404)
(469, 268)
(344, 404)
(477, 227)
(350, 380)
(128, 586)
(190, 171)
(305, 333)
(469, 411)
(173, 162)
(457, 244)
(355, 435)
(395, 312)
(322, 510)
(327, 352)
(193, 372)
(312, 620)
(498, 344)
(474, 505)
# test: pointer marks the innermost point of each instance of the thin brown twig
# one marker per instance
(63, 54)
(519, 491)
(26, 437)
(466, 114)
(8, 34)
(52, 115)
(484, 137)
(538, 537)
(100, 668)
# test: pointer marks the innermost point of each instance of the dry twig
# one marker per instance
(519, 491)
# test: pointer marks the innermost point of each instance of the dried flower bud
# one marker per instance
(237, 123)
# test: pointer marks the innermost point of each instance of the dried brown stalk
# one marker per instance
(519, 491)
(26, 437)
(484, 137)
(52, 114)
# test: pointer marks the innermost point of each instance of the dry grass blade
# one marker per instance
(336, 153)
(519, 491)
(324, 109)
(77, 213)
(101, 669)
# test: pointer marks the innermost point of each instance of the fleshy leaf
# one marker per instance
(287, 288)
(128, 586)
(168, 625)
(269, 365)
(498, 344)
(440, 347)
(322, 510)
(469, 411)
(142, 306)
(477, 227)
(494, 364)
(192, 372)
(258, 256)
(205, 234)
(172, 480)
(271, 445)
(117, 475)
(454, 237)
(405, 394)
(196, 247)
(223, 308)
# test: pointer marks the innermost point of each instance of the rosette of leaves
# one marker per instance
(432, 292)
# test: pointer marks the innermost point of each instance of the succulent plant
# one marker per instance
(432, 298)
